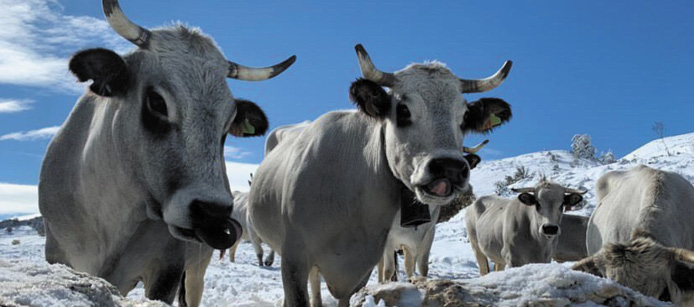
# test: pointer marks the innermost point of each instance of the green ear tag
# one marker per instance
(495, 120)
(247, 127)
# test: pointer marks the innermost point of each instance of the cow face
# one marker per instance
(171, 110)
(424, 119)
(549, 201)
(644, 265)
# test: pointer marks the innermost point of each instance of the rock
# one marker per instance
(24, 283)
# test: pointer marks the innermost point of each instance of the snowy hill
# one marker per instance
(245, 284)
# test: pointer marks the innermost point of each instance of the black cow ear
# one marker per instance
(250, 120)
(473, 160)
(682, 274)
(370, 98)
(527, 199)
(572, 199)
(105, 67)
(486, 114)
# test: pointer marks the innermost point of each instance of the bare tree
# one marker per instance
(659, 129)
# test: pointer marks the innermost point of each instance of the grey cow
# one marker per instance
(326, 199)
(514, 232)
(641, 233)
(134, 182)
(572, 240)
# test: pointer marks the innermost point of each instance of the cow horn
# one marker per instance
(476, 148)
(123, 26)
(684, 255)
(577, 191)
(523, 190)
(238, 71)
(369, 70)
(483, 85)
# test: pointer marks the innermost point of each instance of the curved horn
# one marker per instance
(483, 85)
(369, 70)
(123, 26)
(683, 255)
(523, 190)
(238, 71)
(476, 148)
(577, 191)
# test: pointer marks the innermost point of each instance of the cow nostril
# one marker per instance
(202, 210)
(550, 229)
(455, 170)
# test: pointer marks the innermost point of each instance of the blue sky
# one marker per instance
(609, 69)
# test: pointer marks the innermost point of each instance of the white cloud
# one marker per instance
(37, 39)
(231, 152)
(239, 174)
(16, 198)
(14, 105)
(31, 135)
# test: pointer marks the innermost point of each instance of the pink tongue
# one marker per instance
(441, 188)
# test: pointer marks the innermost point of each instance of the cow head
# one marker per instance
(424, 119)
(663, 272)
(549, 201)
(170, 109)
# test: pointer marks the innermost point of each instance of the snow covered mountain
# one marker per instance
(245, 284)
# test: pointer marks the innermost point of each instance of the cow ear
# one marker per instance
(485, 114)
(527, 199)
(473, 160)
(590, 265)
(250, 120)
(682, 274)
(106, 68)
(572, 199)
(370, 98)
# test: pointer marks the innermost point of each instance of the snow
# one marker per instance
(245, 284)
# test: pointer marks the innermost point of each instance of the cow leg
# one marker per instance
(232, 251)
(381, 264)
(423, 252)
(270, 259)
(295, 271)
(481, 258)
(410, 258)
(499, 267)
(195, 281)
(388, 266)
(314, 278)
(255, 240)
(52, 249)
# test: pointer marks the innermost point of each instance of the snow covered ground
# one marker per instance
(245, 284)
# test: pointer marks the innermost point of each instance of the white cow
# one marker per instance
(133, 186)
(641, 233)
(325, 199)
(514, 232)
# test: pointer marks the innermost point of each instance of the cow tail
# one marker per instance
(182, 292)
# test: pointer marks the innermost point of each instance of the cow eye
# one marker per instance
(403, 115)
(156, 104)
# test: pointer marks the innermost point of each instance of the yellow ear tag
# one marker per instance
(495, 120)
(247, 127)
